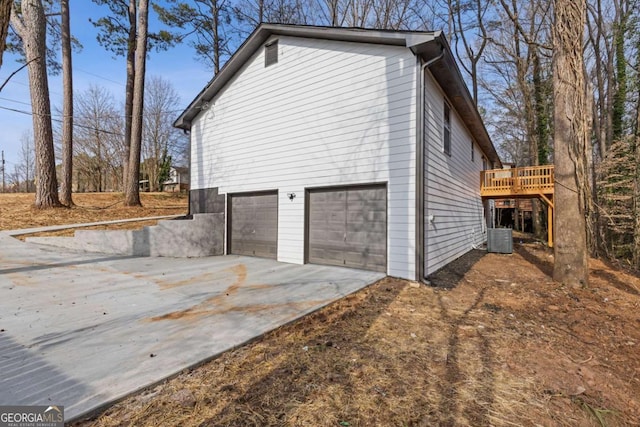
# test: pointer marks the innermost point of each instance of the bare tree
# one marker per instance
(30, 25)
(248, 14)
(517, 75)
(602, 74)
(572, 137)
(613, 35)
(161, 140)
(615, 191)
(98, 141)
(25, 169)
(131, 188)
(67, 107)
(470, 35)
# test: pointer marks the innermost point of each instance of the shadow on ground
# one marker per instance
(297, 373)
(545, 266)
(450, 275)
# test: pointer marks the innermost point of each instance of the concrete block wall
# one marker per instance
(198, 237)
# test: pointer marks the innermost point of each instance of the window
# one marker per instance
(473, 152)
(484, 163)
(271, 53)
(447, 129)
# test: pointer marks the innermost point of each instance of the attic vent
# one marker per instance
(271, 53)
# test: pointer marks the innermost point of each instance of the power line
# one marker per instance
(15, 82)
(60, 121)
(116, 116)
(16, 110)
(98, 76)
(16, 101)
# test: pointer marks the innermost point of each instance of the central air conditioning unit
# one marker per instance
(500, 240)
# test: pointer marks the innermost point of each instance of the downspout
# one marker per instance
(420, 163)
(188, 132)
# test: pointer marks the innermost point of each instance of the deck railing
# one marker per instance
(526, 181)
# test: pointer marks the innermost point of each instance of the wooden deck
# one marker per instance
(516, 183)
(531, 181)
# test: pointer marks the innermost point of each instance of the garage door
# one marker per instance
(253, 224)
(348, 227)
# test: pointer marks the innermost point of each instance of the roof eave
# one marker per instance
(262, 33)
(449, 78)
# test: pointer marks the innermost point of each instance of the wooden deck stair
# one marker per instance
(526, 182)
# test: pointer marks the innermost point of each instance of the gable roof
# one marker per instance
(426, 44)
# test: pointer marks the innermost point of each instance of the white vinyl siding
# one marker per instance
(327, 113)
(452, 186)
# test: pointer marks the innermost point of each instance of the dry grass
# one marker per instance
(16, 210)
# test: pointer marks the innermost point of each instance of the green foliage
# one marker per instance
(620, 95)
(164, 168)
(113, 30)
(14, 43)
(542, 94)
(205, 21)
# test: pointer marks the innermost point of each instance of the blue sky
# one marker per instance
(92, 65)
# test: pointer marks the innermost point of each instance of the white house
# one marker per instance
(341, 146)
(177, 181)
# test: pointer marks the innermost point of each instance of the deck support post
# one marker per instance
(550, 225)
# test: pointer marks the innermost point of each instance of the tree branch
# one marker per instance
(17, 24)
(16, 72)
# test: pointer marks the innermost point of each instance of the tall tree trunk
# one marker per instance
(128, 102)
(571, 138)
(636, 186)
(32, 29)
(636, 205)
(132, 192)
(5, 17)
(67, 108)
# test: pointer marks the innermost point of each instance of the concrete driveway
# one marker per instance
(82, 330)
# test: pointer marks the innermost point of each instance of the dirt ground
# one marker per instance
(492, 342)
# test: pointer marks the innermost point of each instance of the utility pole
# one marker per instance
(3, 186)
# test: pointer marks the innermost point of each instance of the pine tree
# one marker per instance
(30, 25)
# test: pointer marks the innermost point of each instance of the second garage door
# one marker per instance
(253, 224)
(348, 227)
